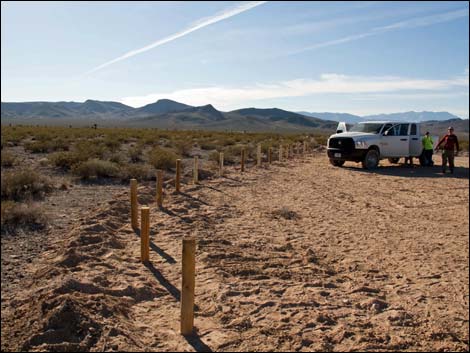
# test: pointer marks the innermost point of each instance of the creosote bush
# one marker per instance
(96, 168)
(15, 216)
(161, 158)
(24, 184)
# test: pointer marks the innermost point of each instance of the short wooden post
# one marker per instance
(280, 153)
(258, 155)
(195, 170)
(221, 163)
(134, 210)
(187, 286)
(145, 234)
(270, 155)
(243, 160)
(178, 175)
(159, 188)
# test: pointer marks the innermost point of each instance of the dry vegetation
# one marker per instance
(109, 155)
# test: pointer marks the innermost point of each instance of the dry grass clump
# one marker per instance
(161, 158)
(96, 168)
(16, 216)
(24, 184)
(8, 159)
(136, 171)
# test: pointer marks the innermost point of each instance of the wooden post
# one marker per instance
(159, 188)
(258, 155)
(145, 234)
(134, 215)
(195, 170)
(221, 163)
(178, 175)
(270, 155)
(187, 286)
(305, 148)
(243, 160)
(280, 153)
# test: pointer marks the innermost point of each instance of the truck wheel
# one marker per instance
(371, 160)
(336, 162)
(393, 160)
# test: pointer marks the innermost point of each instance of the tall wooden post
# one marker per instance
(258, 155)
(280, 153)
(195, 170)
(187, 286)
(145, 234)
(305, 148)
(221, 163)
(178, 175)
(243, 160)
(134, 210)
(159, 188)
(270, 155)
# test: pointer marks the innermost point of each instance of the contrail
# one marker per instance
(415, 22)
(194, 27)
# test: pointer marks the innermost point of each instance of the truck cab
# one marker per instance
(369, 142)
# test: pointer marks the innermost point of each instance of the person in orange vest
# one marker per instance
(450, 142)
(428, 149)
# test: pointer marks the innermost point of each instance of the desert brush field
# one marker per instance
(297, 255)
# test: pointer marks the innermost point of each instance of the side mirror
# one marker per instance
(386, 133)
(339, 131)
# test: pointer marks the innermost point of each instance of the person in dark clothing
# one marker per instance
(450, 142)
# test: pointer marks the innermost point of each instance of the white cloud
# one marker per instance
(226, 98)
(193, 27)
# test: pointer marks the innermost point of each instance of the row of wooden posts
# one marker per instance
(189, 244)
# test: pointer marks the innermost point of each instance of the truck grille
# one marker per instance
(345, 144)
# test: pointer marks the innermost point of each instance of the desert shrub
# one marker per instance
(463, 144)
(96, 168)
(135, 154)
(112, 143)
(24, 184)
(8, 159)
(162, 158)
(90, 149)
(183, 147)
(19, 215)
(206, 145)
(232, 154)
(214, 157)
(37, 146)
(65, 160)
(136, 171)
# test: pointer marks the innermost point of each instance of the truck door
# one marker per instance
(416, 146)
(397, 141)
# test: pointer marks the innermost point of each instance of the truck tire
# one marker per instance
(371, 159)
(336, 162)
(393, 160)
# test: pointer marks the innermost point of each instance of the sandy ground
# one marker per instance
(301, 256)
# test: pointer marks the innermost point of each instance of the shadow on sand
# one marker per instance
(415, 171)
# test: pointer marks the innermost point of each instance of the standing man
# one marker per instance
(450, 143)
(428, 149)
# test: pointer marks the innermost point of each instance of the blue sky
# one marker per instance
(354, 57)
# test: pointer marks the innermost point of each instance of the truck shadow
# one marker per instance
(415, 171)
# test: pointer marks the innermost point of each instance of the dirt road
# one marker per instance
(301, 256)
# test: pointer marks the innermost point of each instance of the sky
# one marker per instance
(352, 57)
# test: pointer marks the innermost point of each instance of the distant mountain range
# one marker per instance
(169, 114)
(406, 116)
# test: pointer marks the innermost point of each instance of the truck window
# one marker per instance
(403, 129)
(413, 129)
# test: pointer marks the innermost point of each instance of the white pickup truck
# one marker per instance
(369, 142)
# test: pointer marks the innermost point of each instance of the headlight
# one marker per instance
(361, 144)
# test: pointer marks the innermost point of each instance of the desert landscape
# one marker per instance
(296, 255)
